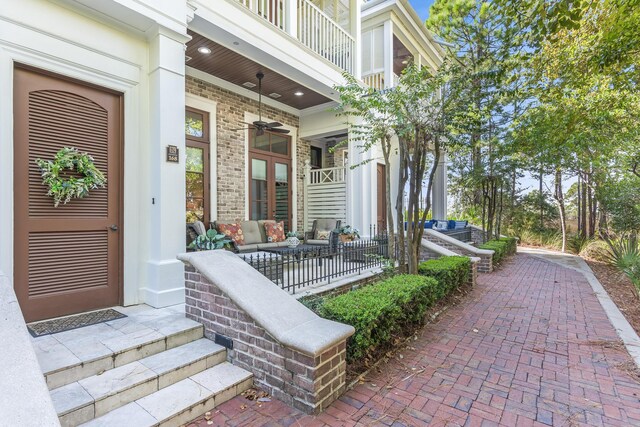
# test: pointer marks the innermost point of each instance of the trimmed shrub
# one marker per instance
(382, 310)
(450, 272)
(501, 248)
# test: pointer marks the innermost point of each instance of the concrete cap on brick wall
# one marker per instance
(434, 247)
(24, 396)
(279, 313)
(458, 243)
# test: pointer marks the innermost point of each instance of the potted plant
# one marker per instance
(212, 240)
(348, 234)
(292, 239)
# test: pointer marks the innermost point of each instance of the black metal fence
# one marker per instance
(295, 268)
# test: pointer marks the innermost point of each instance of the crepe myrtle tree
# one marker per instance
(415, 111)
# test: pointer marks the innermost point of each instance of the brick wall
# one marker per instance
(485, 265)
(309, 383)
(231, 108)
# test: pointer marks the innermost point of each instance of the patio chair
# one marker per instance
(324, 225)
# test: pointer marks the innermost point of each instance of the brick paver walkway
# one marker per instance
(530, 345)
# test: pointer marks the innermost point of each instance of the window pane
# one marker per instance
(195, 209)
(195, 159)
(282, 203)
(259, 210)
(258, 190)
(282, 173)
(261, 142)
(195, 184)
(316, 158)
(279, 144)
(194, 125)
(259, 169)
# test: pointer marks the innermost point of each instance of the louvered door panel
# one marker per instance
(67, 259)
(56, 119)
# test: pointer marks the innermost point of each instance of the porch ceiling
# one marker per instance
(237, 69)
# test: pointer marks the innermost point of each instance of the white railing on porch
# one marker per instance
(271, 10)
(374, 80)
(325, 194)
(324, 36)
(315, 29)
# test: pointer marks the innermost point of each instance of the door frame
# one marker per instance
(121, 166)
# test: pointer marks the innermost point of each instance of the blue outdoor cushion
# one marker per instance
(460, 224)
(451, 224)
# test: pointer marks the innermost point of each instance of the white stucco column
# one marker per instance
(355, 9)
(388, 53)
(439, 191)
(165, 280)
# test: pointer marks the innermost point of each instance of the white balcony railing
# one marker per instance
(315, 29)
(324, 36)
(327, 176)
(271, 10)
(376, 80)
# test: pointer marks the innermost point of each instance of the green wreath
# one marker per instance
(64, 189)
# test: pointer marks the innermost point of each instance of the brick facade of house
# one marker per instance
(231, 173)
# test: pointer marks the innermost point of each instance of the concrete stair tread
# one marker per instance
(115, 387)
(181, 402)
(73, 355)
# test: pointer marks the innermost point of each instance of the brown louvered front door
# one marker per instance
(66, 259)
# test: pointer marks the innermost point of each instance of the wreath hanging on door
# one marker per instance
(63, 189)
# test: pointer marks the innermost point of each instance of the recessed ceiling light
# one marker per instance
(298, 93)
(250, 85)
(204, 50)
(275, 95)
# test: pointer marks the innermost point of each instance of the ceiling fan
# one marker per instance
(259, 125)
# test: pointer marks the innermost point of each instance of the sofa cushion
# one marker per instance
(232, 231)
(324, 242)
(461, 224)
(263, 231)
(247, 248)
(251, 232)
(275, 231)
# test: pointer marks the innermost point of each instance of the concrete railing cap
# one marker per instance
(279, 313)
(458, 243)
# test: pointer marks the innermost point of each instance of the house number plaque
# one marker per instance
(173, 155)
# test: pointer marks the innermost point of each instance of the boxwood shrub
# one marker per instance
(380, 311)
(450, 272)
(501, 248)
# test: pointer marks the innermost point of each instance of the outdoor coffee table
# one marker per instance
(297, 252)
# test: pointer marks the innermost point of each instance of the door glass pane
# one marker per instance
(282, 194)
(259, 190)
(279, 144)
(195, 209)
(261, 142)
(195, 184)
(195, 159)
(194, 124)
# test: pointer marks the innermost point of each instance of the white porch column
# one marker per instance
(355, 7)
(388, 53)
(165, 281)
(361, 194)
(439, 191)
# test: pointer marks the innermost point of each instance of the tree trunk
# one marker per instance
(386, 152)
(402, 181)
(541, 200)
(583, 207)
(559, 197)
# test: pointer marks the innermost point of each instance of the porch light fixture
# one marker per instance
(204, 50)
(298, 93)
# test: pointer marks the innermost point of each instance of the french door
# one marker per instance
(270, 188)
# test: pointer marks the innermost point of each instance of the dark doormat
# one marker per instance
(62, 324)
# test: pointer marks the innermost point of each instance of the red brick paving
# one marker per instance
(529, 346)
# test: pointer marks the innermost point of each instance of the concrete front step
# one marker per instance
(181, 402)
(95, 396)
(70, 356)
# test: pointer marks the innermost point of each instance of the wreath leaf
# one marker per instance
(63, 190)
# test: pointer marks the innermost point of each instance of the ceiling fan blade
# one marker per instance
(279, 130)
(260, 123)
(274, 125)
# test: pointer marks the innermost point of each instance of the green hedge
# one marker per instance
(380, 311)
(501, 248)
(450, 272)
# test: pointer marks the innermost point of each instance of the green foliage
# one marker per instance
(597, 250)
(210, 241)
(501, 248)
(64, 188)
(576, 243)
(450, 272)
(379, 312)
(625, 255)
(621, 199)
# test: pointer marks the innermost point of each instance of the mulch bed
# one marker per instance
(620, 289)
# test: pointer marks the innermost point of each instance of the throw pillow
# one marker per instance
(232, 231)
(275, 231)
(322, 235)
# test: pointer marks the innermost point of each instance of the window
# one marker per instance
(197, 165)
(316, 158)
(271, 142)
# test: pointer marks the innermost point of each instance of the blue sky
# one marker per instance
(422, 7)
